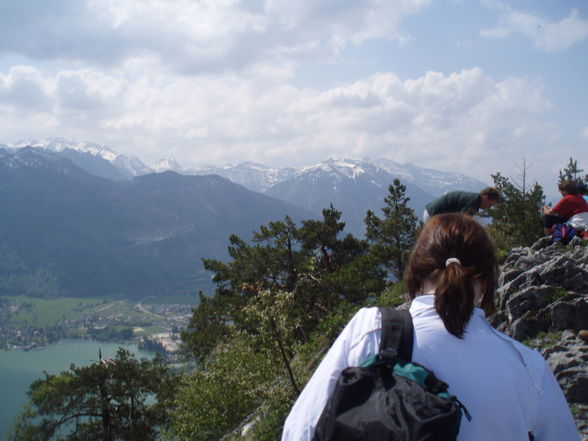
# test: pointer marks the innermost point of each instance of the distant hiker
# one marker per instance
(462, 202)
(508, 389)
(570, 204)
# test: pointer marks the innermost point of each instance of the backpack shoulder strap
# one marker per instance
(397, 332)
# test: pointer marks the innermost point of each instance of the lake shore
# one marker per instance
(18, 369)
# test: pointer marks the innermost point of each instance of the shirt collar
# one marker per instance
(425, 304)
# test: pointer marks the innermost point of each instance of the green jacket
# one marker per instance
(455, 202)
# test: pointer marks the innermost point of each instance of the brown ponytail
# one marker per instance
(454, 298)
(454, 236)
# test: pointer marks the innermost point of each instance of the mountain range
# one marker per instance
(352, 186)
(80, 219)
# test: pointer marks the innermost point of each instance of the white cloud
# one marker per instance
(544, 33)
(207, 81)
(563, 34)
(584, 134)
(87, 90)
(24, 88)
(194, 37)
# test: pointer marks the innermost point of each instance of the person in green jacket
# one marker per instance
(462, 202)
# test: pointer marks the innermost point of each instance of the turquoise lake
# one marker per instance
(18, 369)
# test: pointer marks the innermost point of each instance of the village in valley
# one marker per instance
(30, 323)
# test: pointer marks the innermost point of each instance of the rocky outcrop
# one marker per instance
(543, 302)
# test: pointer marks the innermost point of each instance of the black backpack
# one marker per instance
(388, 397)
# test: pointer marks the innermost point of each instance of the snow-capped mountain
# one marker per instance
(257, 177)
(353, 186)
(168, 164)
(58, 144)
(132, 165)
(97, 159)
(35, 159)
(262, 178)
(432, 181)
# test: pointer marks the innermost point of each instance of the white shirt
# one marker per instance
(507, 388)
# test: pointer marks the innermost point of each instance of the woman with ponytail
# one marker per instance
(508, 389)
(454, 260)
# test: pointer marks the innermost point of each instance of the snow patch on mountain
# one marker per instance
(252, 175)
(29, 157)
(132, 164)
(129, 166)
(167, 164)
(380, 172)
(347, 168)
(59, 144)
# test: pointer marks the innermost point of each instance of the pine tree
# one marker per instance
(311, 263)
(571, 172)
(516, 220)
(112, 399)
(393, 236)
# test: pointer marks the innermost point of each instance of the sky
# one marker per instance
(469, 86)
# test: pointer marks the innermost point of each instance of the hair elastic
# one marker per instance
(452, 260)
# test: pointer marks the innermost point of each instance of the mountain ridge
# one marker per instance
(257, 176)
(352, 186)
(70, 232)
